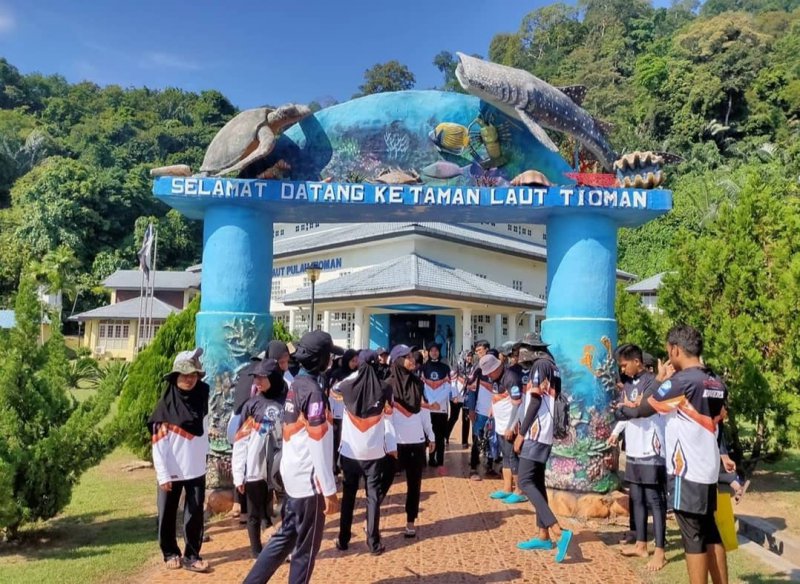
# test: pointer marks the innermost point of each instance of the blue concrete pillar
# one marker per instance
(581, 328)
(234, 321)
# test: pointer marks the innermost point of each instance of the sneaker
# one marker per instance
(500, 495)
(563, 545)
(474, 476)
(535, 544)
(515, 498)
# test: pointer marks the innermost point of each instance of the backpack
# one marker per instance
(560, 416)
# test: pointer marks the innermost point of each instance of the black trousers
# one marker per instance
(337, 440)
(457, 408)
(378, 475)
(258, 498)
(653, 496)
(411, 458)
(439, 423)
(242, 500)
(300, 534)
(531, 482)
(168, 502)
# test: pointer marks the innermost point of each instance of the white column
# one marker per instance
(498, 330)
(358, 327)
(326, 321)
(466, 328)
(365, 331)
(512, 326)
(291, 321)
(532, 323)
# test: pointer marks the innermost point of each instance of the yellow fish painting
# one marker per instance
(451, 137)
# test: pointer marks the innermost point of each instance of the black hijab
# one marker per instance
(182, 408)
(406, 387)
(276, 350)
(243, 390)
(366, 395)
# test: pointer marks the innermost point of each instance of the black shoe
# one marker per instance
(379, 551)
(339, 545)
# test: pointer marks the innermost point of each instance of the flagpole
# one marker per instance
(153, 285)
(139, 320)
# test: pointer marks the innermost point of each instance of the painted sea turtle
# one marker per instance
(247, 138)
(396, 176)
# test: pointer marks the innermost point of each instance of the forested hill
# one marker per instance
(718, 84)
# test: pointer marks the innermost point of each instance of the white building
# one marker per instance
(647, 290)
(388, 283)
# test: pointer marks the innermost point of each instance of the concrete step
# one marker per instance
(769, 537)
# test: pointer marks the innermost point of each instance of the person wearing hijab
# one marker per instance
(180, 445)
(367, 443)
(306, 468)
(279, 351)
(347, 366)
(257, 442)
(412, 424)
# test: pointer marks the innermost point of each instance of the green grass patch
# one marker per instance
(108, 531)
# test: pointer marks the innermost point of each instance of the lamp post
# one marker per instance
(313, 272)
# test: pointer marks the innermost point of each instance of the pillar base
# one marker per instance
(583, 349)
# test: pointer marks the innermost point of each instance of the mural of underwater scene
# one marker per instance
(431, 137)
(224, 356)
(583, 461)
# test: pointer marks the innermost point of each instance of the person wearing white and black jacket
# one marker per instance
(257, 441)
(438, 390)
(534, 444)
(412, 425)
(179, 429)
(368, 442)
(346, 367)
(306, 468)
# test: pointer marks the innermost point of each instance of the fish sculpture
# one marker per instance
(450, 137)
(443, 169)
(537, 104)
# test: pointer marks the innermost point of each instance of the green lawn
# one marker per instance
(107, 532)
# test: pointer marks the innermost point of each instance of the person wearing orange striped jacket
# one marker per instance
(179, 432)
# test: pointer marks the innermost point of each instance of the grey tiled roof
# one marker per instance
(415, 275)
(350, 233)
(127, 310)
(651, 284)
(132, 280)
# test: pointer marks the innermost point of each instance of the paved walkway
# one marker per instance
(462, 537)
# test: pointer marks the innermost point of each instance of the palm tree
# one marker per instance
(56, 272)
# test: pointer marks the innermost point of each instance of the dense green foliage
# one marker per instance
(389, 76)
(47, 439)
(637, 325)
(739, 282)
(73, 172)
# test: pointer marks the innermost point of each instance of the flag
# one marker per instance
(146, 251)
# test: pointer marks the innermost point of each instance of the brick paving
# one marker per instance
(462, 537)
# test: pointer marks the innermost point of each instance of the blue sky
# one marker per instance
(255, 52)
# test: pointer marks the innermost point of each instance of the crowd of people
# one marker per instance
(311, 416)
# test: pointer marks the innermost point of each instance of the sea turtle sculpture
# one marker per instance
(244, 140)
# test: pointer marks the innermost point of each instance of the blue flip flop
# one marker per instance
(497, 495)
(535, 544)
(563, 545)
(514, 498)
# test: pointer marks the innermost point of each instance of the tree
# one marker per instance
(389, 76)
(636, 324)
(737, 283)
(47, 440)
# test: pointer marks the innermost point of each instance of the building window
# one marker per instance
(147, 334)
(517, 285)
(479, 329)
(505, 321)
(306, 282)
(277, 291)
(505, 331)
(113, 334)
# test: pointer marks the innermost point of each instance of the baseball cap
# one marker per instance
(382, 351)
(188, 362)
(313, 350)
(401, 351)
(264, 368)
(489, 364)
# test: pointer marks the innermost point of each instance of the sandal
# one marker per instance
(173, 563)
(195, 565)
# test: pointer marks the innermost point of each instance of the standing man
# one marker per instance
(693, 400)
(306, 468)
(459, 381)
(507, 390)
(478, 404)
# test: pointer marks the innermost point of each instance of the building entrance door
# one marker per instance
(411, 329)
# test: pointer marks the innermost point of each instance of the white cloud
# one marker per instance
(7, 21)
(157, 60)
